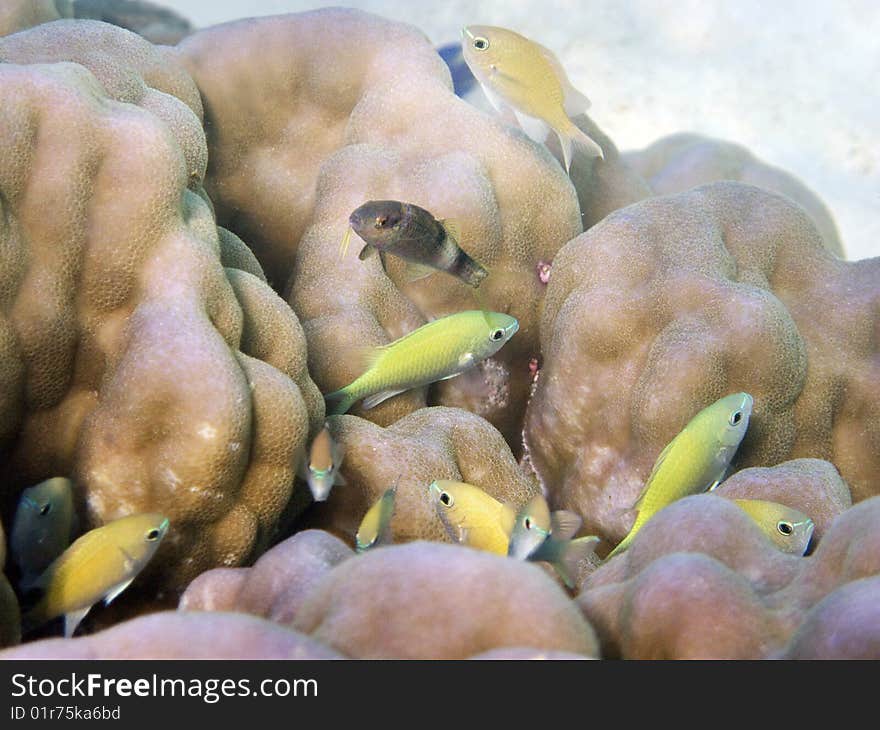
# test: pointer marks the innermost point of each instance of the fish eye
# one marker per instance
(46, 509)
(735, 417)
(153, 535)
(480, 43)
(497, 335)
(785, 528)
(528, 523)
(446, 499)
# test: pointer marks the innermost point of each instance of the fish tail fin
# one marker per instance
(573, 554)
(573, 141)
(338, 402)
(470, 270)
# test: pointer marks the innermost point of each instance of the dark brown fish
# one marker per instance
(413, 234)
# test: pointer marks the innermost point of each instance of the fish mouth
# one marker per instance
(512, 328)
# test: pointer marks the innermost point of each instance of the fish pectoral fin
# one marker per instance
(536, 129)
(463, 535)
(129, 562)
(371, 401)
(452, 228)
(564, 524)
(339, 480)
(465, 360)
(366, 252)
(73, 619)
(116, 590)
(414, 272)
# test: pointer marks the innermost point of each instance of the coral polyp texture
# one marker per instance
(297, 143)
(132, 360)
(673, 302)
(702, 582)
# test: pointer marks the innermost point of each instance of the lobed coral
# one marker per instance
(673, 302)
(132, 360)
(702, 581)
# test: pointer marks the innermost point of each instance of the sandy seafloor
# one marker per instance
(798, 83)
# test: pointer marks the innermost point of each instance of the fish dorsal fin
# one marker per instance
(452, 228)
(656, 468)
(574, 101)
(564, 524)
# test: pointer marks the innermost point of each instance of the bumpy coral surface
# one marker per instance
(671, 303)
(16, 15)
(182, 635)
(297, 143)
(702, 581)
(131, 360)
(681, 161)
(432, 443)
(155, 23)
(430, 601)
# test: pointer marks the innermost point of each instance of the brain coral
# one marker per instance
(432, 443)
(673, 302)
(16, 15)
(297, 143)
(681, 161)
(702, 581)
(425, 600)
(131, 359)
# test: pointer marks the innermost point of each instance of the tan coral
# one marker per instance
(304, 125)
(432, 443)
(132, 360)
(16, 15)
(673, 302)
(431, 601)
(702, 581)
(681, 161)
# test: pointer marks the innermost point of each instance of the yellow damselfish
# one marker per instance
(375, 528)
(99, 565)
(522, 75)
(789, 529)
(473, 517)
(695, 460)
(435, 351)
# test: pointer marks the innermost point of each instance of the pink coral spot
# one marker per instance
(543, 268)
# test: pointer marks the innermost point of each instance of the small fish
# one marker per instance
(435, 351)
(322, 470)
(463, 80)
(375, 528)
(789, 529)
(473, 517)
(42, 526)
(537, 535)
(427, 245)
(519, 74)
(99, 565)
(695, 460)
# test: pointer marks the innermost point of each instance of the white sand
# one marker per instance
(796, 82)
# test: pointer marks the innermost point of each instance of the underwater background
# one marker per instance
(510, 330)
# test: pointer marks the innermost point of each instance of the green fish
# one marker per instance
(539, 536)
(375, 528)
(42, 526)
(435, 351)
(789, 529)
(99, 565)
(695, 460)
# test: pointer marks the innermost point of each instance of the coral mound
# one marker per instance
(673, 302)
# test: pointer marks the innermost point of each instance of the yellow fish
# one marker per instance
(789, 529)
(695, 460)
(473, 517)
(522, 75)
(537, 535)
(322, 470)
(375, 528)
(42, 526)
(99, 565)
(435, 351)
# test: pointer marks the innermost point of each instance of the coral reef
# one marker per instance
(155, 23)
(132, 360)
(682, 161)
(426, 600)
(432, 443)
(296, 144)
(182, 635)
(16, 15)
(673, 302)
(702, 581)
